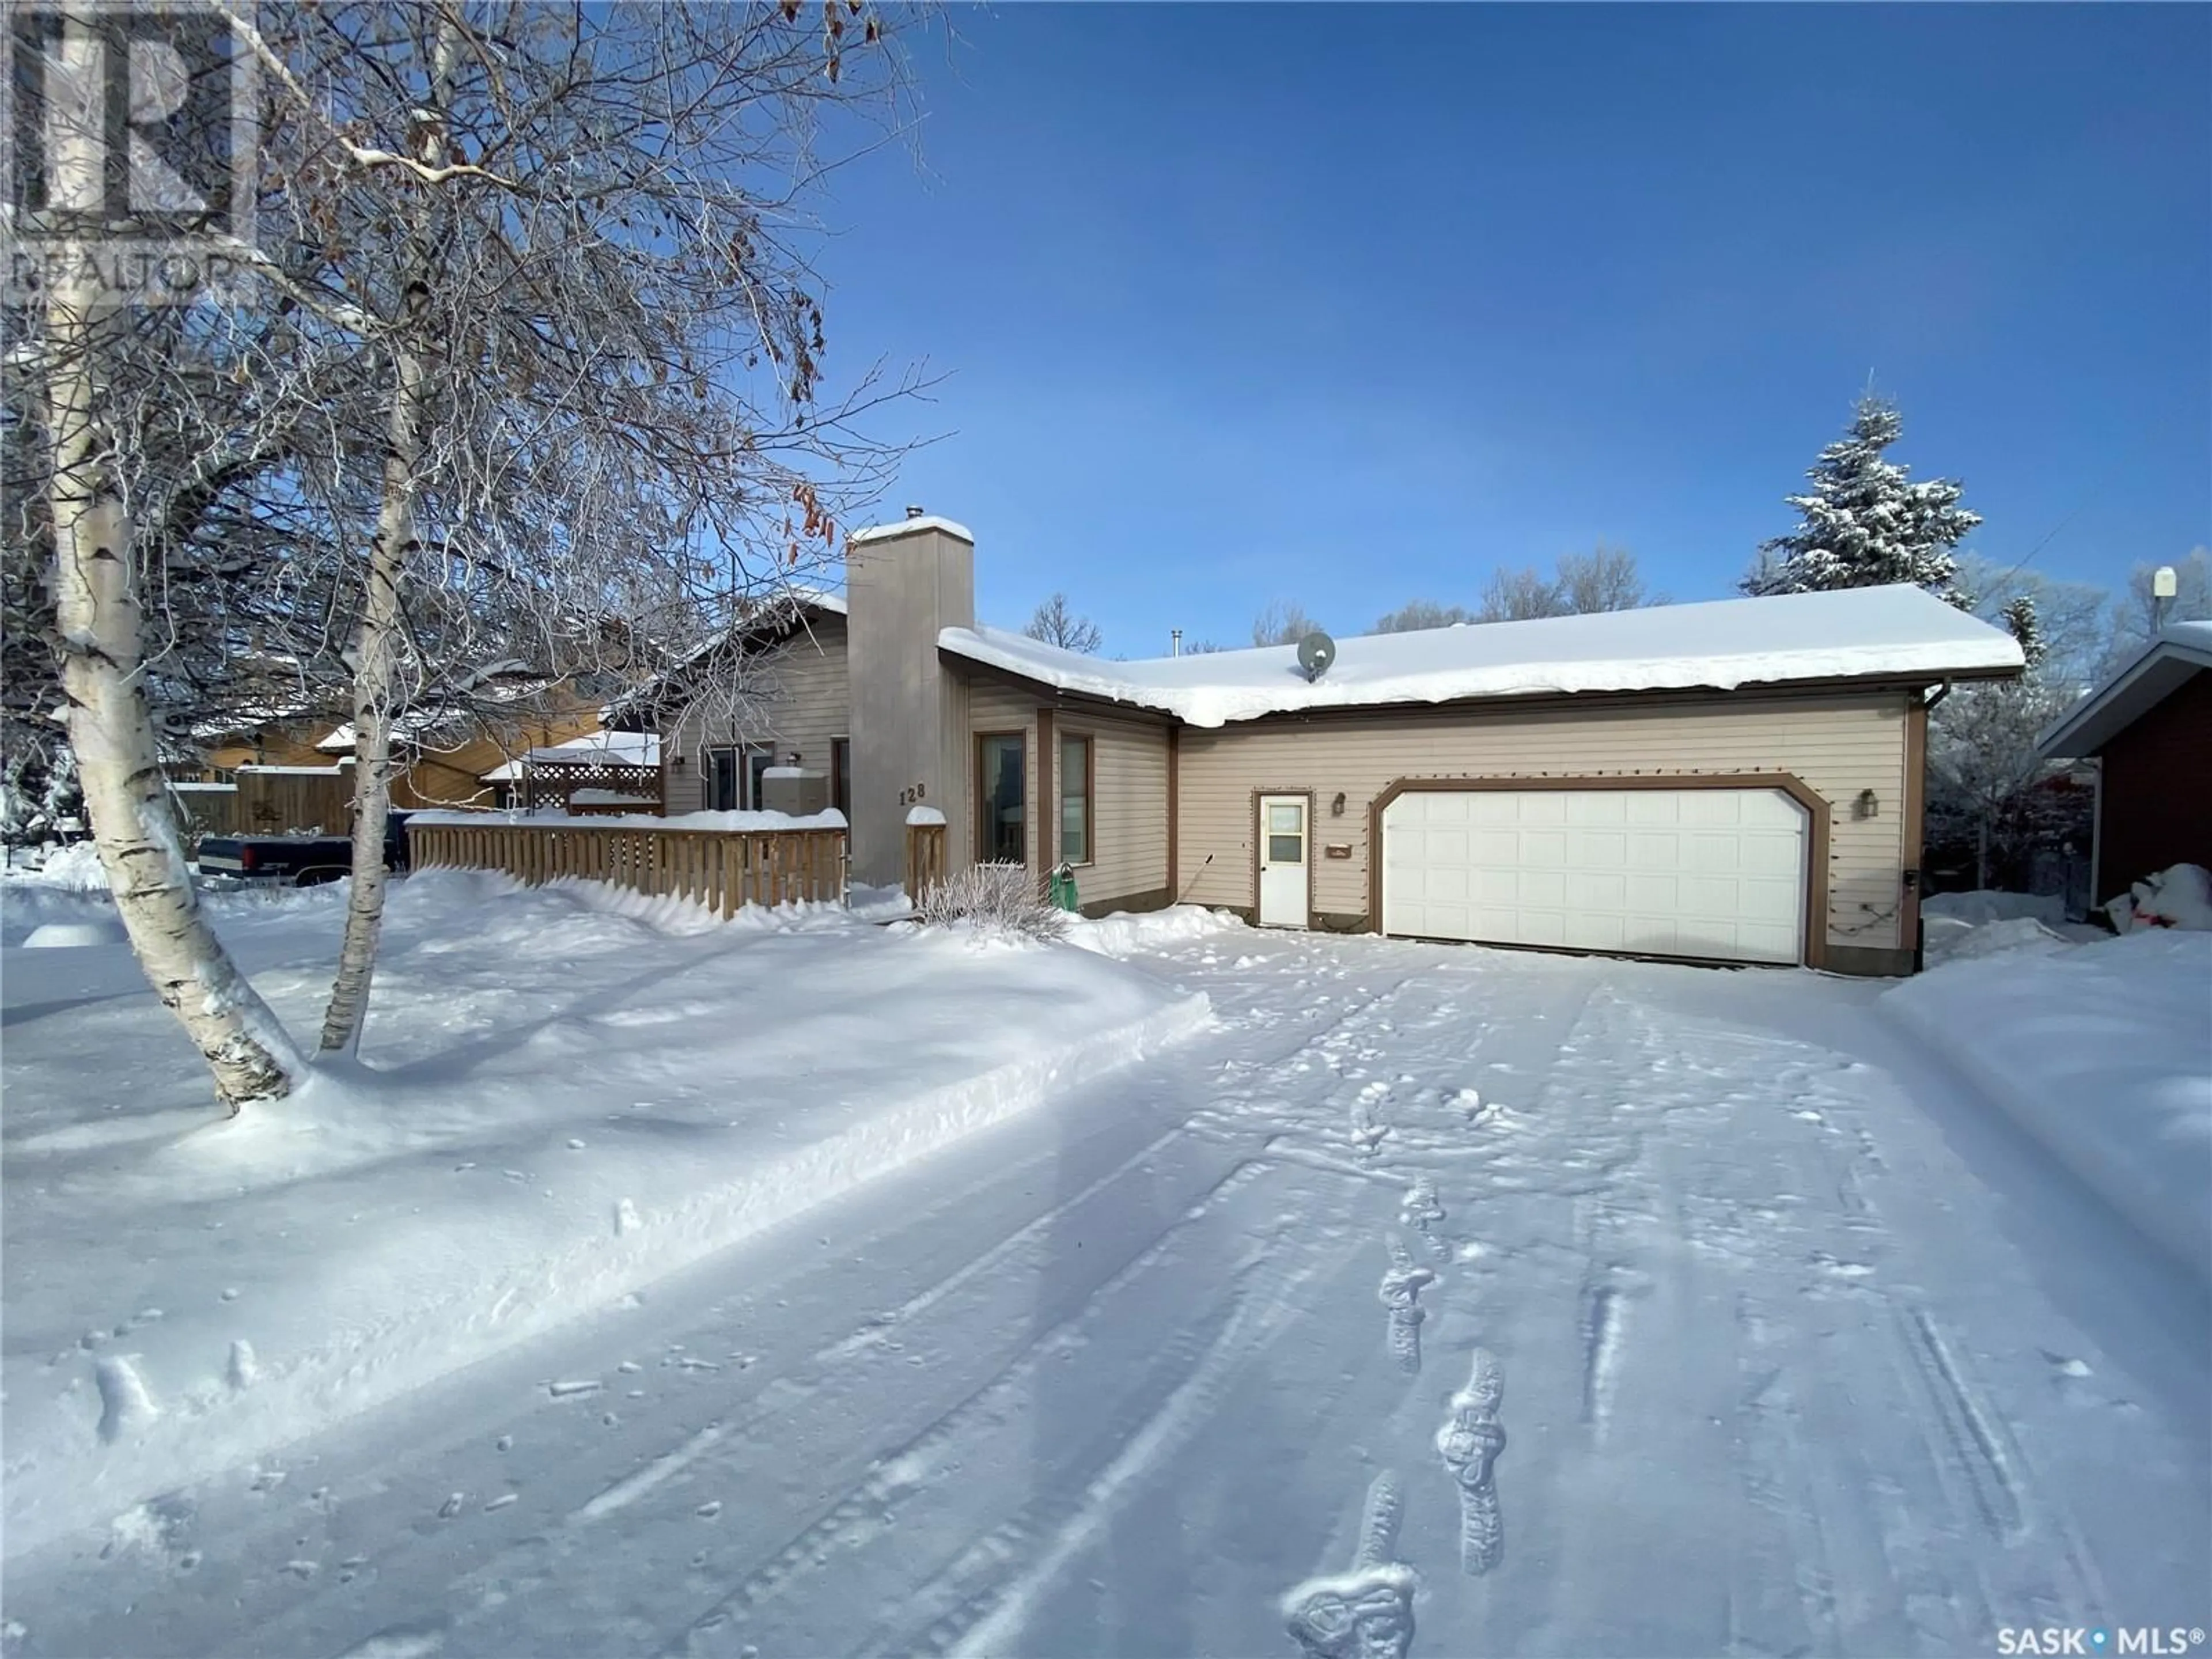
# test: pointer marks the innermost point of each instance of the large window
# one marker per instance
(1002, 805)
(722, 780)
(733, 778)
(1075, 800)
(841, 776)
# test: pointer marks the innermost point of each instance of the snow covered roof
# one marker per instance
(884, 532)
(441, 721)
(594, 749)
(2160, 669)
(1900, 631)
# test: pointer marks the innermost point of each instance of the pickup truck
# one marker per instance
(295, 860)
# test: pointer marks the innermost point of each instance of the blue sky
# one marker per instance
(1348, 305)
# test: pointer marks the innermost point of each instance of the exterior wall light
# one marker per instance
(1336, 806)
(1867, 805)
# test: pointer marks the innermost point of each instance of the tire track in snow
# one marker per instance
(1079, 1517)
(631, 1487)
(1977, 1443)
(1605, 1319)
(1261, 1282)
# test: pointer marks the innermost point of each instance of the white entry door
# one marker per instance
(1283, 853)
(1708, 873)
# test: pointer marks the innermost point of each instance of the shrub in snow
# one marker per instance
(996, 898)
(2179, 897)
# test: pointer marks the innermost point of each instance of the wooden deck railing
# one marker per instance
(721, 868)
(925, 858)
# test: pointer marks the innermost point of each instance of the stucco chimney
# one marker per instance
(904, 581)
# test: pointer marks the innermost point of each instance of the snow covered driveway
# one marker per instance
(1794, 1347)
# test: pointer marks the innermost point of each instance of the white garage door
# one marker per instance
(1678, 872)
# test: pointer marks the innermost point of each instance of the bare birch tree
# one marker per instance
(539, 343)
(591, 339)
(79, 369)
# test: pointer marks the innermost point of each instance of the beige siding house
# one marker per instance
(793, 709)
(1738, 781)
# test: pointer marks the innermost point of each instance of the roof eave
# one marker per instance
(2162, 668)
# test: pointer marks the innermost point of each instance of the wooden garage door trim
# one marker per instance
(1815, 806)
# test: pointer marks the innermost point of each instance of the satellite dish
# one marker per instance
(1315, 651)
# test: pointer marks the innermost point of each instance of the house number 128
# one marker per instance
(909, 796)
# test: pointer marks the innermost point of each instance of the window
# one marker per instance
(721, 781)
(1285, 834)
(1002, 762)
(841, 776)
(732, 778)
(1075, 800)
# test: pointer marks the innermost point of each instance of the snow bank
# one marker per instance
(74, 868)
(2104, 1053)
(1125, 932)
(1987, 905)
(1950, 938)
(1719, 645)
(2179, 897)
(55, 935)
(567, 1093)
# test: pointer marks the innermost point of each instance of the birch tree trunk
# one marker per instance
(99, 618)
(374, 679)
(374, 684)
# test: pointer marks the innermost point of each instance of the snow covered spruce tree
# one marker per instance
(1864, 522)
(570, 251)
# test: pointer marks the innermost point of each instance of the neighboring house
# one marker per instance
(2150, 729)
(770, 694)
(441, 758)
(1739, 781)
(223, 746)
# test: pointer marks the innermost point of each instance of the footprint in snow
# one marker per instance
(1470, 1443)
(1368, 1612)
(1400, 1292)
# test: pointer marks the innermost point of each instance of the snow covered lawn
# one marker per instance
(567, 1093)
(1495, 1302)
(2103, 1053)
